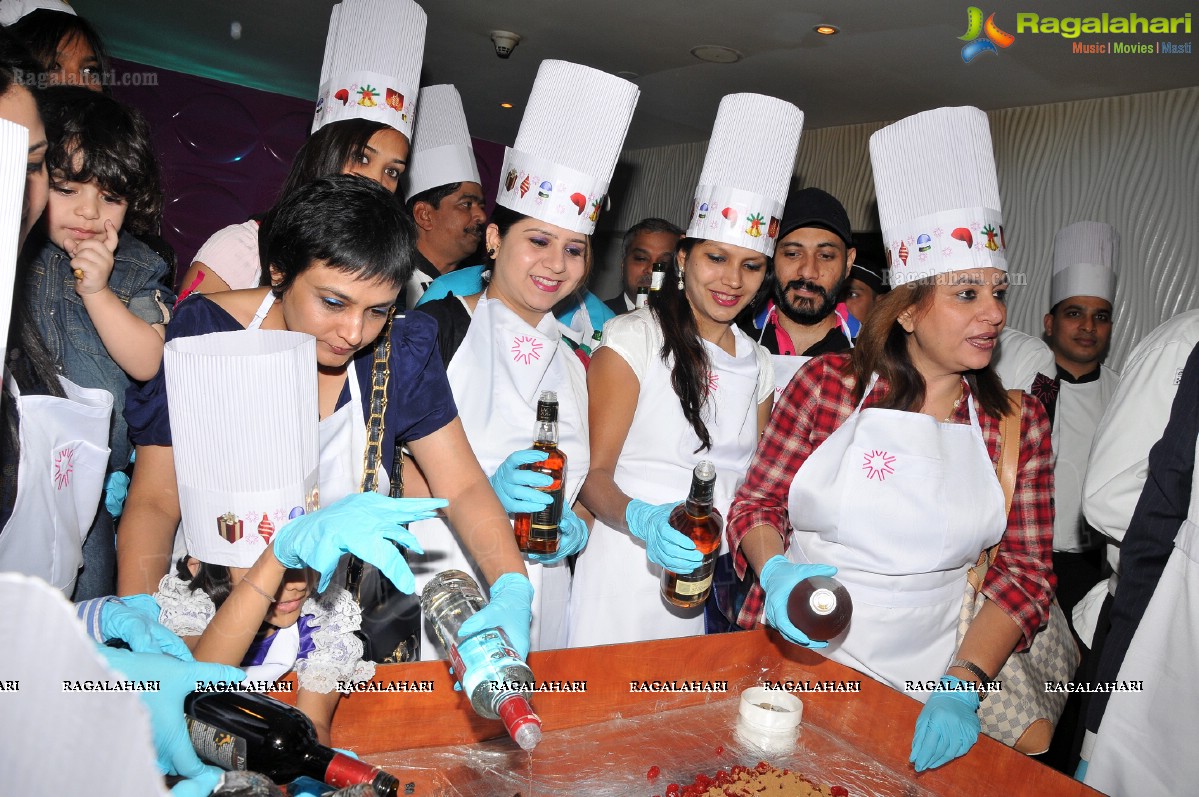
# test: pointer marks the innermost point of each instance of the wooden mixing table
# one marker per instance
(605, 739)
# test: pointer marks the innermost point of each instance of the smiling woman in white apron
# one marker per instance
(677, 382)
(504, 347)
(881, 464)
(344, 305)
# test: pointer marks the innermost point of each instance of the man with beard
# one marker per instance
(811, 265)
(445, 197)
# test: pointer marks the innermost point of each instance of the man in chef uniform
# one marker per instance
(1078, 329)
(444, 193)
(811, 265)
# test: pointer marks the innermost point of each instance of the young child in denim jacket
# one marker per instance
(99, 296)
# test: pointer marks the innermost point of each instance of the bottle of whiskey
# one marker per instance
(641, 298)
(657, 276)
(247, 730)
(493, 676)
(538, 532)
(820, 607)
(700, 521)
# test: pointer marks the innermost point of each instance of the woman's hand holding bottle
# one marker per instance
(778, 577)
(517, 488)
(572, 538)
(664, 545)
(510, 608)
(363, 524)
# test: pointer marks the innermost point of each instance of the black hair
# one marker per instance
(213, 579)
(43, 30)
(114, 148)
(329, 150)
(648, 225)
(348, 222)
(432, 196)
(681, 340)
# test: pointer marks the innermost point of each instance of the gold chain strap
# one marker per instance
(378, 406)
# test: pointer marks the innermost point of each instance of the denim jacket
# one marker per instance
(142, 281)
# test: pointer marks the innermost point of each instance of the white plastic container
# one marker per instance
(768, 719)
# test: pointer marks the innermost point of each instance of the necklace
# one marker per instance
(956, 403)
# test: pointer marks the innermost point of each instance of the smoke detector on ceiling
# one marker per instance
(505, 42)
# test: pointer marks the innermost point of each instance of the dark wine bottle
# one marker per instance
(820, 607)
(246, 730)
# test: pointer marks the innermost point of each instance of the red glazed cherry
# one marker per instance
(672, 790)
(653, 773)
(720, 750)
(839, 791)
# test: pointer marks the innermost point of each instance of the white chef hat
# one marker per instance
(1083, 256)
(747, 171)
(14, 151)
(244, 416)
(373, 56)
(442, 153)
(12, 10)
(570, 138)
(938, 194)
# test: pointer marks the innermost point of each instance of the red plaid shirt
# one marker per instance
(816, 402)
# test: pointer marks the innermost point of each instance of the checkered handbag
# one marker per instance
(1022, 714)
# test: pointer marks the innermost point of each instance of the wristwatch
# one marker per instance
(972, 668)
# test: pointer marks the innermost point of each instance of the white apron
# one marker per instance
(901, 505)
(787, 365)
(1146, 740)
(617, 590)
(496, 375)
(1079, 408)
(60, 480)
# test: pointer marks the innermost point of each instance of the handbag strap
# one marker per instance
(1005, 469)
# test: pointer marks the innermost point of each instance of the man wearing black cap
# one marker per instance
(811, 264)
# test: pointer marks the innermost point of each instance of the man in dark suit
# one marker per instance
(647, 242)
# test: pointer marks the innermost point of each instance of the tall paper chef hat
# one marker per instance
(747, 170)
(242, 474)
(938, 194)
(441, 150)
(570, 138)
(373, 55)
(1083, 256)
(12, 10)
(14, 149)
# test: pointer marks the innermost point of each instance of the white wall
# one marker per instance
(1130, 161)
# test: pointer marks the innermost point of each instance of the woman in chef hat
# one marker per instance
(678, 382)
(881, 463)
(504, 347)
(363, 125)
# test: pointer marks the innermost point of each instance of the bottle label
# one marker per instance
(699, 581)
(823, 601)
(481, 658)
(656, 280)
(217, 747)
(640, 300)
(543, 525)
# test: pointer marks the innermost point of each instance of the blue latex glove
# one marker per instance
(516, 487)
(511, 609)
(116, 490)
(176, 680)
(135, 620)
(572, 538)
(779, 576)
(664, 545)
(362, 524)
(1080, 774)
(946, 728)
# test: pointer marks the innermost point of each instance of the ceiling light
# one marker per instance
(716, 54)
(827, 30)
(505, 105)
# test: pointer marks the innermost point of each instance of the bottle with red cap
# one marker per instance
(492, 674)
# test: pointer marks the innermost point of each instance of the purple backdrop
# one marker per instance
(226, 149)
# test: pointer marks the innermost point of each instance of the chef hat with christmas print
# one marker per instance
(373, 55)
(242, 474)
(1083, 256)
(570, 137)
(747, 171)
(938, 194)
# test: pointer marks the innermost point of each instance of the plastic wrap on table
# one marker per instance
(617, 757)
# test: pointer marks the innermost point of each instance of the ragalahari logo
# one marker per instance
(982, 37)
